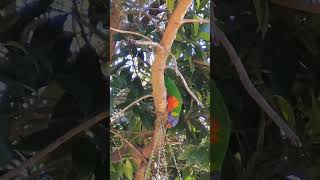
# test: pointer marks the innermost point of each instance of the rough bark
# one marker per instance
(157, 79)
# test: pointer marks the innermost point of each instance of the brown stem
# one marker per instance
(157, 71)
(130, 145)
(116, 22)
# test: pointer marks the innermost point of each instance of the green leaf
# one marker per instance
(170, 5)
(204, 32)
(128, 170)
(191, 63)
(179, 37)
(261, 8)
(16, 45)
(199, 96)
(186, 153)
(220, 115)
(195, 27)
(112, 168)
(189, 178)
(120, 169)
(204, 36)
(198, 3)
(204, 176)
(201, 154)
(203, 4)
(186, 172)
(52, 91)
(286, 109)
(199, 52)
(114, 177)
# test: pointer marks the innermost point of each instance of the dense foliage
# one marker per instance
(280, 50)
(130, 79)
(50, 54)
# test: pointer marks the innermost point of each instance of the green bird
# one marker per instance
(174, 100)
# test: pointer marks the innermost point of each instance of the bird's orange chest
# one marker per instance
(172, 103)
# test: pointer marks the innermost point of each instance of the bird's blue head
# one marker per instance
(172, 121)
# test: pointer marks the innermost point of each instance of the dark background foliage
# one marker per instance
(283, 64)
(50, 90)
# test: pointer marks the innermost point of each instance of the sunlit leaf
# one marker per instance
(286, 110)
(195, 27)
(170, 5)
(128, 170)
(186, 153)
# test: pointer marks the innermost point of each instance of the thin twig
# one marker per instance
(186, 85)
(130, 145)
(117, 149)
(253, 92)
(116, 116)
(174, 158)
(141, 42)
(153, 22)
(154, 44)
(201, 21)
(202, 63)
(51, 147)
(129, 32)
(140, 133)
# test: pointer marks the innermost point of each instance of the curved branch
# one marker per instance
(129, 32)
(201, 21)
(253, 92)
(157, 79)
(51, 147)
(130, 145)
(116, 116)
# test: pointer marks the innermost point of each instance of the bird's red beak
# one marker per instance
(168, 126)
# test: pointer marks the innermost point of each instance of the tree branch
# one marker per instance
(51, 147)
(130, 145)
(253, 92)
(201, 21)
(129, 32)
(157, 79)
(116, 22)
(116, 116)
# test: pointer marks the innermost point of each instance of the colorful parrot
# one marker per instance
(174, 100)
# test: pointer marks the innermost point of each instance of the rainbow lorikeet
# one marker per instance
(174, 100)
